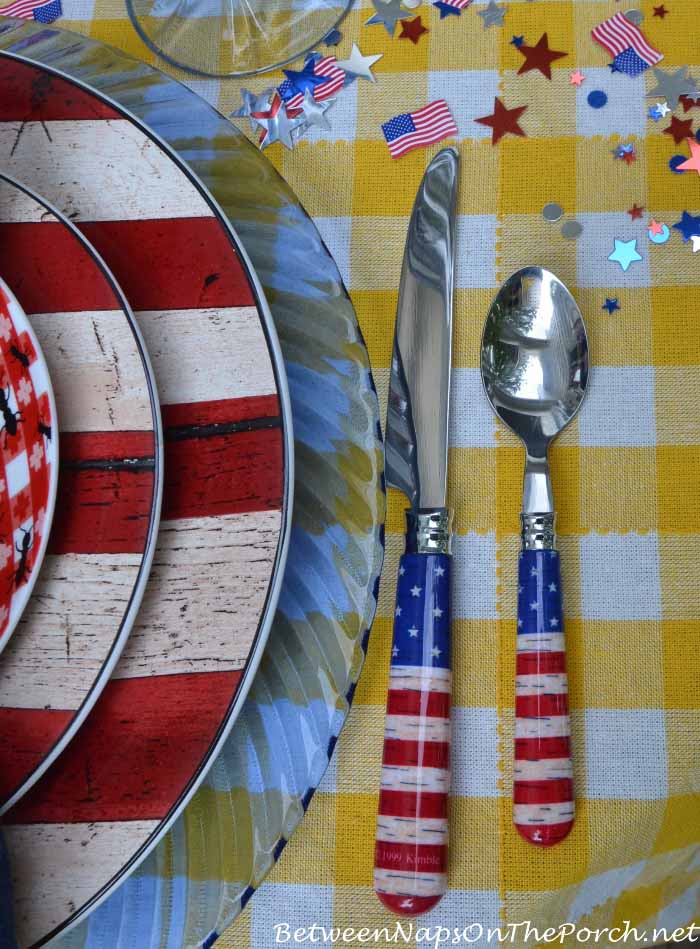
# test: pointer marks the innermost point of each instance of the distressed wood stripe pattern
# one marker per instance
(113, 153)
(190, 265)
(543, 778)
(195, 284)
(100, 386)
(39, 861)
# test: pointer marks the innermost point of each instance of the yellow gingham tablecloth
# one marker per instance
(626, 473)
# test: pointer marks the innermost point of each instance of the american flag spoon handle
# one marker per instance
(410, 864)
(543, 799)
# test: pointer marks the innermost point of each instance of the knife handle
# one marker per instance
(410, 862)
(543, 797)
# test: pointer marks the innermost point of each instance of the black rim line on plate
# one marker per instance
(267, 615)
(154, 463)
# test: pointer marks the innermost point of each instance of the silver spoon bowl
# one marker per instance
(534, 365)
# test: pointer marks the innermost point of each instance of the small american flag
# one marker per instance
(425, 126)
(38, 10)
(323, 67)
(618, 35)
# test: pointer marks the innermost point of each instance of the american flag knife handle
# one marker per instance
(543, 797)
(410, 863)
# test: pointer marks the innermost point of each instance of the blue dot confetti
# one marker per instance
(675, 162)
(333, 38)
(597, 99)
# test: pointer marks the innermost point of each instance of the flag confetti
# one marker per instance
(626, 42)
(38, 10)
(425, 126)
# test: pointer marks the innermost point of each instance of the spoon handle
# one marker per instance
(543, 799)
(410, 861)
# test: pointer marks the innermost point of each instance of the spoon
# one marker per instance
(534, 366)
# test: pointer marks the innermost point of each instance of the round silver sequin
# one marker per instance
(571, 230)
(634, 16)
(552, 212)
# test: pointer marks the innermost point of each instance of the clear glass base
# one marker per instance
(234, 37)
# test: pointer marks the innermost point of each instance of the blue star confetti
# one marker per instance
(446, 9)
(303, 79)
(688, 225)
(655, 113)
(517, 41)
(610, 305)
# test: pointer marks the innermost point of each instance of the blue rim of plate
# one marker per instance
(267, 613)
(164, 901)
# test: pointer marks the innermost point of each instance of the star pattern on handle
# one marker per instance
(421, 623)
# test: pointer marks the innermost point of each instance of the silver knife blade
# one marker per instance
(419, 389)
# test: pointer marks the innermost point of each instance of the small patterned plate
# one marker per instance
(28, 460)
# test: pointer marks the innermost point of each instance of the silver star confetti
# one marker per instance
(663, 109)
(277, 124)
(672, 85)
(252, 102)
(358, 65)
(388, 14)
(313, 112)
(492, 15)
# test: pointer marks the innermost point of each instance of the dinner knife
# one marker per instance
(410, 864)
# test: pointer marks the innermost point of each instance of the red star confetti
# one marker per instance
(576, 78)
(629, 157)
(539, 57)
(660, 11)
(693, 163)
(689, 103)
(635, 212)
(503, 121)
(412, 30)
(680, 129)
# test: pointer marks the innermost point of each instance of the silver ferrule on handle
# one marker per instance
(538, 531)
(428, 532)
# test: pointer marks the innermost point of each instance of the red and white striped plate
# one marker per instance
(28, 460)
(103, 539)
(217, 570)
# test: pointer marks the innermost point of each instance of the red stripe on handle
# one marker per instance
(412, 804)
(532, 663)
(536, 749)
(549, 791)
(432, 704)
(426, 754)
(536, 706)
